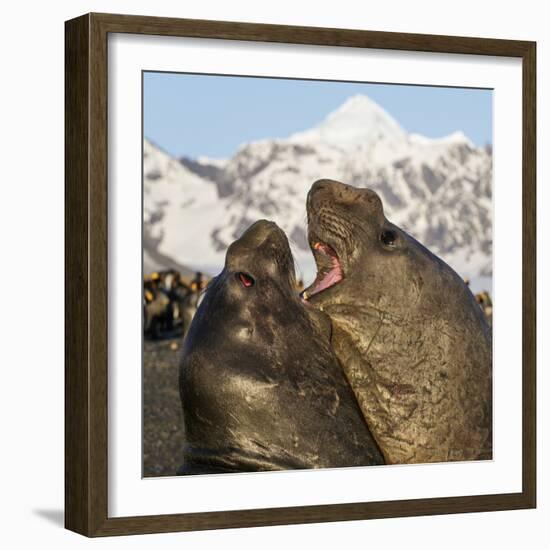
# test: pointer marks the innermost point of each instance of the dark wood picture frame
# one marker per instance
(86, 318)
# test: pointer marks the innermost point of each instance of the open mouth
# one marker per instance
(329, 269)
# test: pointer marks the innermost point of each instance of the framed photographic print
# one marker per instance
(300, 274)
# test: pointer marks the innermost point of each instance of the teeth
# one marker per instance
(317, 245)
(305, 295)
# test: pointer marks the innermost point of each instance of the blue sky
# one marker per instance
(194, 115)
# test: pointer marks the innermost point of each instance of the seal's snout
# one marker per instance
(320, 190)
(260, 245)
(263, 231)
(326, 192)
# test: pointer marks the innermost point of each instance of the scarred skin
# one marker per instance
(414, 344)
(260, 386)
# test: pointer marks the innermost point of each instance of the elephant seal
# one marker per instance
(260, 387)
(413, 342)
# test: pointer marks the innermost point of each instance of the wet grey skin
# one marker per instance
(411, 339)
(260, 386)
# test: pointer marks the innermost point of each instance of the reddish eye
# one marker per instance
(246, 280)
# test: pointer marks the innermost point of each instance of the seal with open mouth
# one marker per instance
(414, 344)
(260, 386)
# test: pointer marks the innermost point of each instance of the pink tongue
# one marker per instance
(331, 278)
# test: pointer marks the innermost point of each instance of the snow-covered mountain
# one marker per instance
(439, 190)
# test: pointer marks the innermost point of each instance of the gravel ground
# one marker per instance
(162, 417)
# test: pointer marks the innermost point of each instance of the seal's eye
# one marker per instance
(246, 280)
(388, 237)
